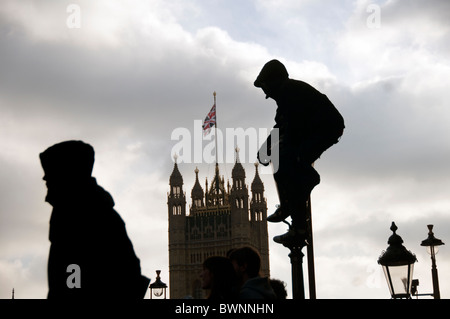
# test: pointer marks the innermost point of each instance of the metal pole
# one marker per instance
(296, 256)
(215, 127)
(310, 253)
(298, 287)
(434, 275)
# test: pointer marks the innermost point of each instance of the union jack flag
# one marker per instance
(210, 121)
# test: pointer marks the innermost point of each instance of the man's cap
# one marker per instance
(68, 158)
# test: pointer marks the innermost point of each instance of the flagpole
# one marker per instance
(215, 135)
(217, 161)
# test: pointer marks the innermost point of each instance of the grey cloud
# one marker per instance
(390, 164)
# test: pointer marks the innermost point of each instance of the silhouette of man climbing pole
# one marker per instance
(308, 124)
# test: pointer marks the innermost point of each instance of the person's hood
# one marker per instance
(271, 78)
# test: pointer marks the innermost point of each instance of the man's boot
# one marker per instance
(282, 212)
(293, 237)
(297, 233)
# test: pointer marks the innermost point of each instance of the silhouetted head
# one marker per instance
(279, 287)
(68, 161)
(246, 262)
(218, 275)
(271, 77)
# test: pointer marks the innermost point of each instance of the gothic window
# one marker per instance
(221, 231)
(208, 232)
(195, 233)
(176, 191)
(239, 203)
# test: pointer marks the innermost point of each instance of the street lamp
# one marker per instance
(398, 266)
(432, 244)
(158, 288)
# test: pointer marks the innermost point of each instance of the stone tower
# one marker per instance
(176, 201)
(220, 218)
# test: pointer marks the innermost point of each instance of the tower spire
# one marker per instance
(257, 184)
(197, 192)
(238, 170)
(175, 177)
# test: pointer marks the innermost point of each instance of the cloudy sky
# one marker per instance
(127, 77)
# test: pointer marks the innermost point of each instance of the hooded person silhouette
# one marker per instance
(247, 264)
(86, 233)
(308, 124)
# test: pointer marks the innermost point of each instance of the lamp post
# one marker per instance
(296, 256)
(158, 288)
(398, 266)
(432, 244)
